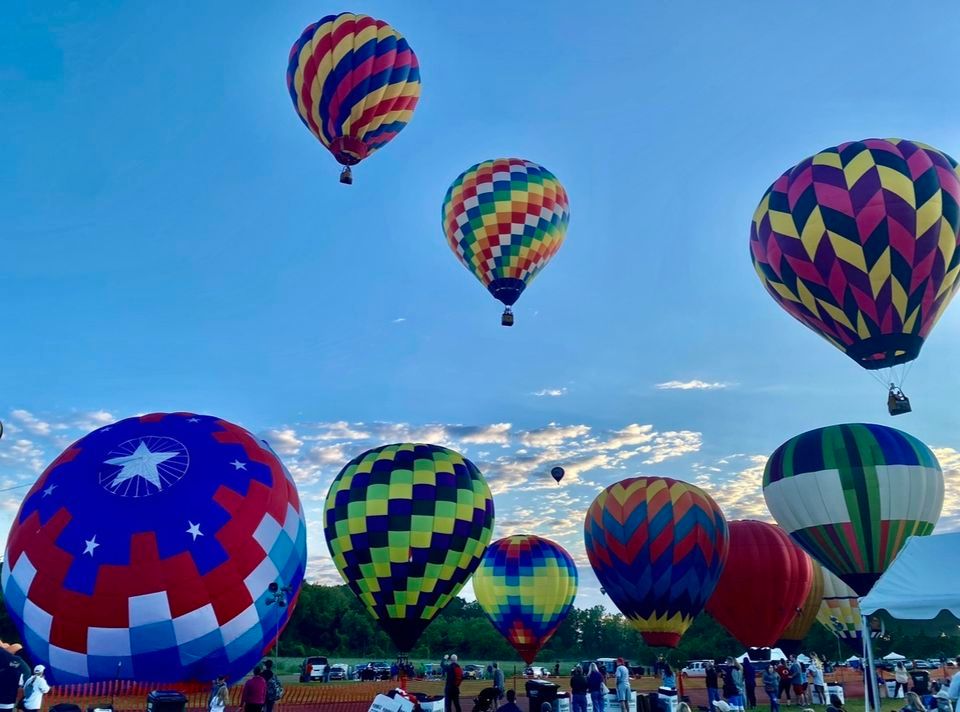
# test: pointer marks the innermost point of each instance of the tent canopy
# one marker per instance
(893, 656)
(921, 582)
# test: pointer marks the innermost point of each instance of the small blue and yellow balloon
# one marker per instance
(526, 586)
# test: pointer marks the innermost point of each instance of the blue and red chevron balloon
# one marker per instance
(354, 82)
(526, 586)
(658, 547)
(146, 549)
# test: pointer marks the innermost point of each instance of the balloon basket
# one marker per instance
(898, 403)
(346, 176)
(507, 318)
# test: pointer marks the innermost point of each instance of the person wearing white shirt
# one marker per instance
(954, 691)
(623, 685)
(34, 688)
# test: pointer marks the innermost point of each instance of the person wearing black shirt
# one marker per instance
(13, 672)
(713, 685)
(578, 690)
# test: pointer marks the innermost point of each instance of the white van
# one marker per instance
(695, 668)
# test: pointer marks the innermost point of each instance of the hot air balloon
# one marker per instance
(657, 546)
(859, 243)
(407, 525)
(763, 585)
(146, 550)
(354, 82)
(557, 473)
(504, 219)
(792, 638)
(526, 586)
(850, 495)
(839, 612)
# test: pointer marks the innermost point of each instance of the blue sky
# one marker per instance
(174, 238)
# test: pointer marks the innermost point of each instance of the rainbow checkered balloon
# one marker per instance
(504, 220)
(354, 82)
(526, 586)
(145, 551)
(407, 525)
(851, 495)
(859, 243)
(658, 547)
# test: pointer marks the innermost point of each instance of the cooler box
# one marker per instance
(610, 702)
(891, 686)
(563, 703)
(835, 690)
(668, 700)
(166, 701)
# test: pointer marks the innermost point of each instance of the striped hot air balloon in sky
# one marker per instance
(526, 586)
(354, 82)
(657, 546)
(859, 243)
(852, 494)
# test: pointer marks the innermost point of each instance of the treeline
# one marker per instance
(329, 620)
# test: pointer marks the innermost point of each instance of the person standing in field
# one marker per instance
(451, 686)
(623, 685)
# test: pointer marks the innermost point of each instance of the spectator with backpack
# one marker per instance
(34, 689)
(451, 687)
(13, 671)
(274, 688)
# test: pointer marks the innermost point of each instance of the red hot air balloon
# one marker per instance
(765, 582)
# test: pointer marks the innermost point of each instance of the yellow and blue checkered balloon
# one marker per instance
(526, 586)
(407, 525)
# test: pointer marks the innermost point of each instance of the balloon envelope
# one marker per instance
(407, 525)
(859, 243)
(764, 583)
(145, 551)
(791, 639)
(354, 82)
(526, 586)
(504, 220)
(557, 473)
(852, 494)
(657, 546)
(839, 612)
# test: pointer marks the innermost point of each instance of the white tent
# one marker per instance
(893, 656)
(921, 582)
(851, 659)
(775, 654)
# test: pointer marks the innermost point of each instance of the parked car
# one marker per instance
(472, 672)
(378, 670)
(536, 671)
(695, 668)
(339, 672)
(313, 669)
(924, 665)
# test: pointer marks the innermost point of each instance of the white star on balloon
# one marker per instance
(237, 465)
(91, 545)
(142, 463)
(194, 530)
(49, 490)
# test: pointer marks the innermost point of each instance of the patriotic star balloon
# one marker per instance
(146, 549)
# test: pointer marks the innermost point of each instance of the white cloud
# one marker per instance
(694, 385)
(553, 435)
(283, 440)
(27, 421)
(950, 463)
(550, 392)
(340, 430)
(739, 493)
(399, 320)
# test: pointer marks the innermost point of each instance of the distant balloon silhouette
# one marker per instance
(557, 473)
